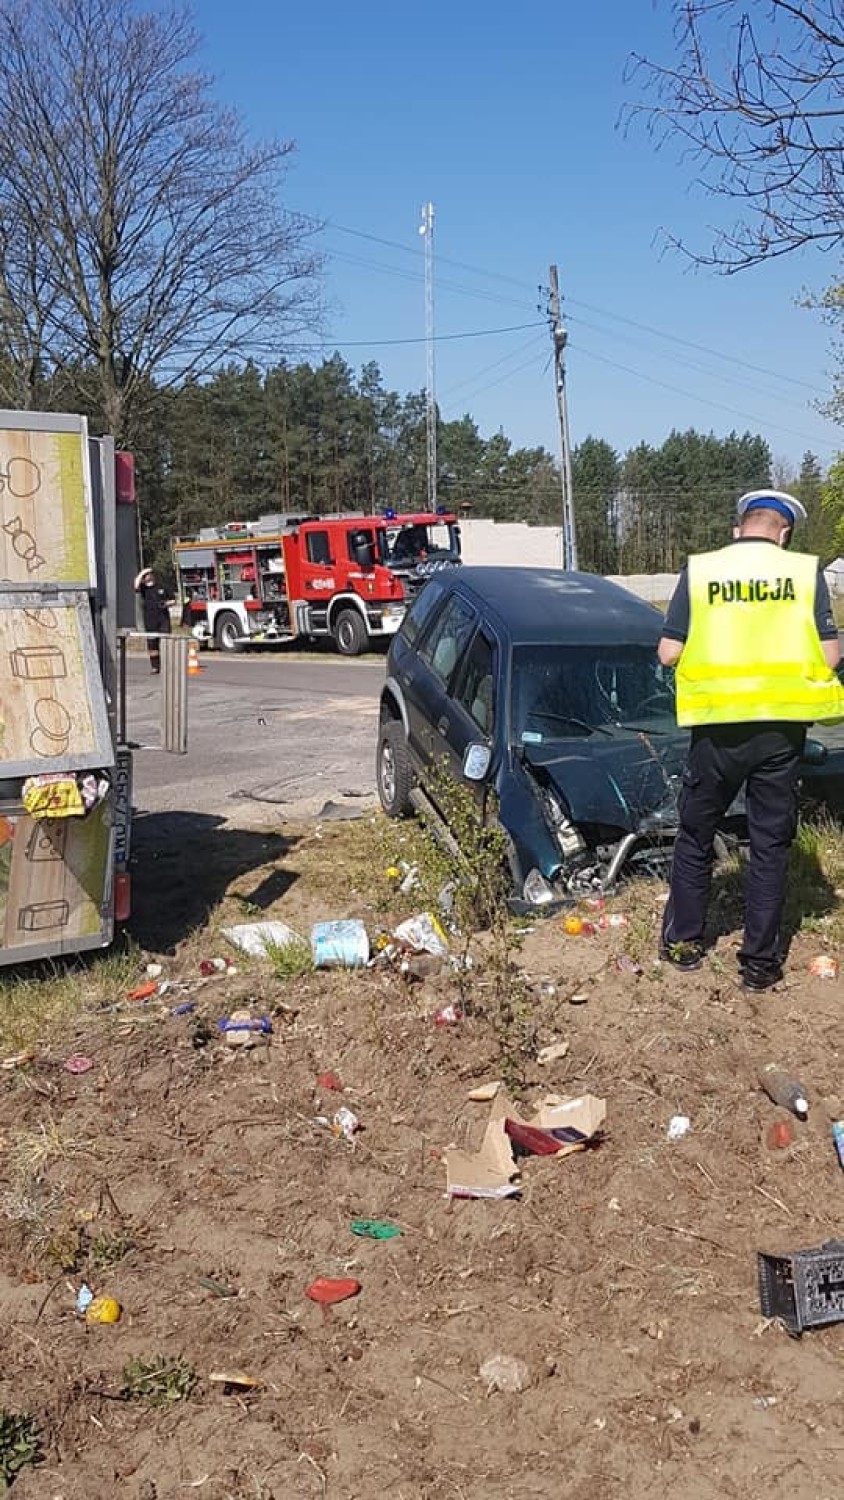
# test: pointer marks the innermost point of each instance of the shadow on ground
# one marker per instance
(184, 863)
(809, 895)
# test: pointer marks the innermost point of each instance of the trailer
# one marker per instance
(68, 555)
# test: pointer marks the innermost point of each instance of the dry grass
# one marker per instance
(36, 1001)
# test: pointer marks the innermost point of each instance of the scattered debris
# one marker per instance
(339, 812)
(626, 965)
(838, 1139)
(143, 991)
(779, 1135)
(238, 1380)
(678, 1126)
(557, 1128)
(241, 1028)
(485, 1092)
(103, 1310)
(552, 1053)
(254, 938)
(154, 971)
(784, 1090)
(422, 934)
(762, 1403)
(84, 1298)
(345, 1123)
(448, 1015)
(78, 1064)
(329, 1081)
(580, 998)
(340, 945)
(502, 1372)
(421, 966)
(327, 1289)
(209, 966)
(803, 1289)
(824, 967)
(613, 919)
(20, 1060)
(374, 1229)
(186, 1008)
(578, 927)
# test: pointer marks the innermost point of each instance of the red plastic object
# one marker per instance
(449, 1015)
(779, 1135)
(122, 897)
(78, 1064)
(329, 1081)
(537, 1142)
(326, 1290)
(144, 991)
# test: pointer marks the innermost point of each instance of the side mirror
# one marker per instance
(476, 762)
(814, 753)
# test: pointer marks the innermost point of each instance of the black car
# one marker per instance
(544, 686)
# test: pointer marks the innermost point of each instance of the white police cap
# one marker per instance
(791, 509)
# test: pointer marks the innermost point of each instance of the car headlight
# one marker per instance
(536, 889)
(567, 836)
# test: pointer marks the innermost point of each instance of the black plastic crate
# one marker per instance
(804, 1289)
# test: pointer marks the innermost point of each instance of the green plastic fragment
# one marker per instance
(374, 1229)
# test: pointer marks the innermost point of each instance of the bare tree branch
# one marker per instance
(141, 232)
(756, 101)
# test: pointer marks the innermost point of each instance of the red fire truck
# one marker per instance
(420, 543)
(280, 577)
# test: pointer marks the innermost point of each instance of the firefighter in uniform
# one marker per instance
(751, 632)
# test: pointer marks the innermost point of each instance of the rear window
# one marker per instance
(421, 611)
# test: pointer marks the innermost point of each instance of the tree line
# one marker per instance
(315, 439)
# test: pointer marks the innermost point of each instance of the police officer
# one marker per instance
(155, 608)
(751, 632)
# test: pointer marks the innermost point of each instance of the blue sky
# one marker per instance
(506, 118)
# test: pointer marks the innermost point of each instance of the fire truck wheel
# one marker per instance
(350, 634)
(227, 633)
(394, 775)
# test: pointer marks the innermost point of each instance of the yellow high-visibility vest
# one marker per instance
(753, 651)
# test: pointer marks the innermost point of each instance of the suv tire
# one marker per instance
(350, 633)
(227, 633)
(393, 772)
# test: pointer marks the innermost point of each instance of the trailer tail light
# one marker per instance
(122, 896)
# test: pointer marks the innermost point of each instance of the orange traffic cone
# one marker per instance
(194, 667)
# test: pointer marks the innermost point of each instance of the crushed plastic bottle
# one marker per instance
(784, 1090)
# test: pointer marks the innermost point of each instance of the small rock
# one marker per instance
(501, 1372)
(694, 1426)
(579, 999)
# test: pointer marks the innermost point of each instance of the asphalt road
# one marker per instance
(266, 736)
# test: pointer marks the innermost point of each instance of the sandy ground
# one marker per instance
(624, 1276)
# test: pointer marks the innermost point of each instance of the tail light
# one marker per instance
(122, 896)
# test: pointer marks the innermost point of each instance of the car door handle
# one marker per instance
(443, 726)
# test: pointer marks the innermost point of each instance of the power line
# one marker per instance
(440, 338)
(469, 380)
(575, 302)
(704, 400)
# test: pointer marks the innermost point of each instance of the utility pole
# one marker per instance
(559, 337)
(426, 229)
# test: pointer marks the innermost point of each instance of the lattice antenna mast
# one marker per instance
(426, 229)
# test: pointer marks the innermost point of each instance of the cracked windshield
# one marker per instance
(565, 691)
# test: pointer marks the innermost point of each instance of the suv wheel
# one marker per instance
(393, 770)
(350, 633)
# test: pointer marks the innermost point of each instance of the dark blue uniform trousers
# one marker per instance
(765, 759)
